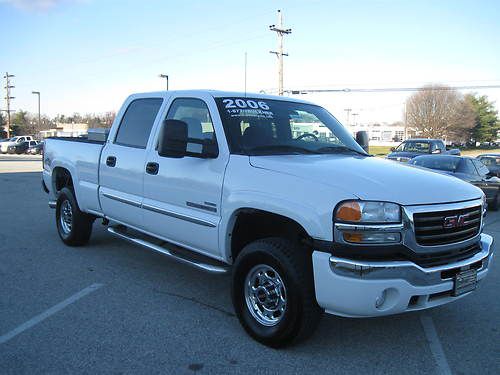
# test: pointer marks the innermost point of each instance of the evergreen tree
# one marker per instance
(487, 123)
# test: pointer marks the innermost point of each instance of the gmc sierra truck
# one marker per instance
(276, 191)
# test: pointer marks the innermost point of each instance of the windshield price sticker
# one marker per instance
(245, 103)
(247, 108)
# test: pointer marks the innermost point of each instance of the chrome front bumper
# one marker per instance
(355, 288)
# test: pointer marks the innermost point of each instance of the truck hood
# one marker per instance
(371, 178)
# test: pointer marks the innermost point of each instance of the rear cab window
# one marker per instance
(136, 124)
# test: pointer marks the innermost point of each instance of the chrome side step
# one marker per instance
(212, 268)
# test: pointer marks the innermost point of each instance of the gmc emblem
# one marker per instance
(456, 221)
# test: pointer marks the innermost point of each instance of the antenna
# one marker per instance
(245, 74)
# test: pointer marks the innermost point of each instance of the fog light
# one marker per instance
(371, 237)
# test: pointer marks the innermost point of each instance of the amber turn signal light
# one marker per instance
(349, 211)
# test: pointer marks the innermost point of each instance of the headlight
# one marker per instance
(369, 222)
(368, 212)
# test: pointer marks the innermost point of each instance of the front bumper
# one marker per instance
(354, 288)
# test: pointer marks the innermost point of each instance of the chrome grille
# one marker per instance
(430, 227)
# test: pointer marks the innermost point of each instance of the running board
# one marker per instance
(212, 268)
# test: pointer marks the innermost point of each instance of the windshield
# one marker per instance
(414, 146)
(270, 127)
(448, 164)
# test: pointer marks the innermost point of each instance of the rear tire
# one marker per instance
(273, 292)
(74, 226)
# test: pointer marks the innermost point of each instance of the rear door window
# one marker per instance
(137, 122)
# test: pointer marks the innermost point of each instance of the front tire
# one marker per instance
(273, 292)
(74, 226)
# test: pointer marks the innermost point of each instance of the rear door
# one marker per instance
(182, 200)
(122, 162)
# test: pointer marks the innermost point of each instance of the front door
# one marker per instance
(122, 163)
(182, 196)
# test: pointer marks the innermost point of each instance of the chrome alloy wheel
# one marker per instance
(66, 217)
(265, 295)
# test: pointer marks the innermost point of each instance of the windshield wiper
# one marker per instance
(339, 149)
(281, 149)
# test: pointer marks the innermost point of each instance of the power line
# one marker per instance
(392, 89)
(280, 31)
(8, 98)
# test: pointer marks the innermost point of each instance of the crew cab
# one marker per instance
(276, 191)
(411, 148)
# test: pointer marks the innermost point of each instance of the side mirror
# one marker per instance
(362, 139)
(175, 143)
(173, 139)
(393, 149)
(209, 149)
(436, 151)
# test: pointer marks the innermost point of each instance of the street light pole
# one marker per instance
(164, 76)
(38, 94)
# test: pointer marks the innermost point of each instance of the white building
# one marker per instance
(382, 134)
(65, 130)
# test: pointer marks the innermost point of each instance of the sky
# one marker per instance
(87, 56)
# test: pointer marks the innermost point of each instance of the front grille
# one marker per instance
(445, 257)
(430, 226)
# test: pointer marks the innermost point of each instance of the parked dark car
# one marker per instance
(19, 148)
(416, 147)
(492, 162)
(464, 168)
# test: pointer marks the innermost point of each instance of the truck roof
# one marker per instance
(221, 94)
(424, 139)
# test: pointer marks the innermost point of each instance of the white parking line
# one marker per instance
(435, 345)
(47, 313)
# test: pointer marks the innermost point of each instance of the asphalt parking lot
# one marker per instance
(111, 307)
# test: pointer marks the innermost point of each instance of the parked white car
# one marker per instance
(307, 223)
(4, 145)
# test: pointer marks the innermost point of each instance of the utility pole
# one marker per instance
(8, 98)
(347, 110)
(39, 121)
(164, 76)
(406, 123)
(354, 115)
(280, 31)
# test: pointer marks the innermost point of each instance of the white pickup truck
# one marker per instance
(277, 191)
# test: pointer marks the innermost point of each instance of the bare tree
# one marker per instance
(440, 112)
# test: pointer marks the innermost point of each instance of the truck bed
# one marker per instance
(77, 139)
(81, 157)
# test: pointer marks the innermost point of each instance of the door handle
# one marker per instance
(152, 168)
(111, 161)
